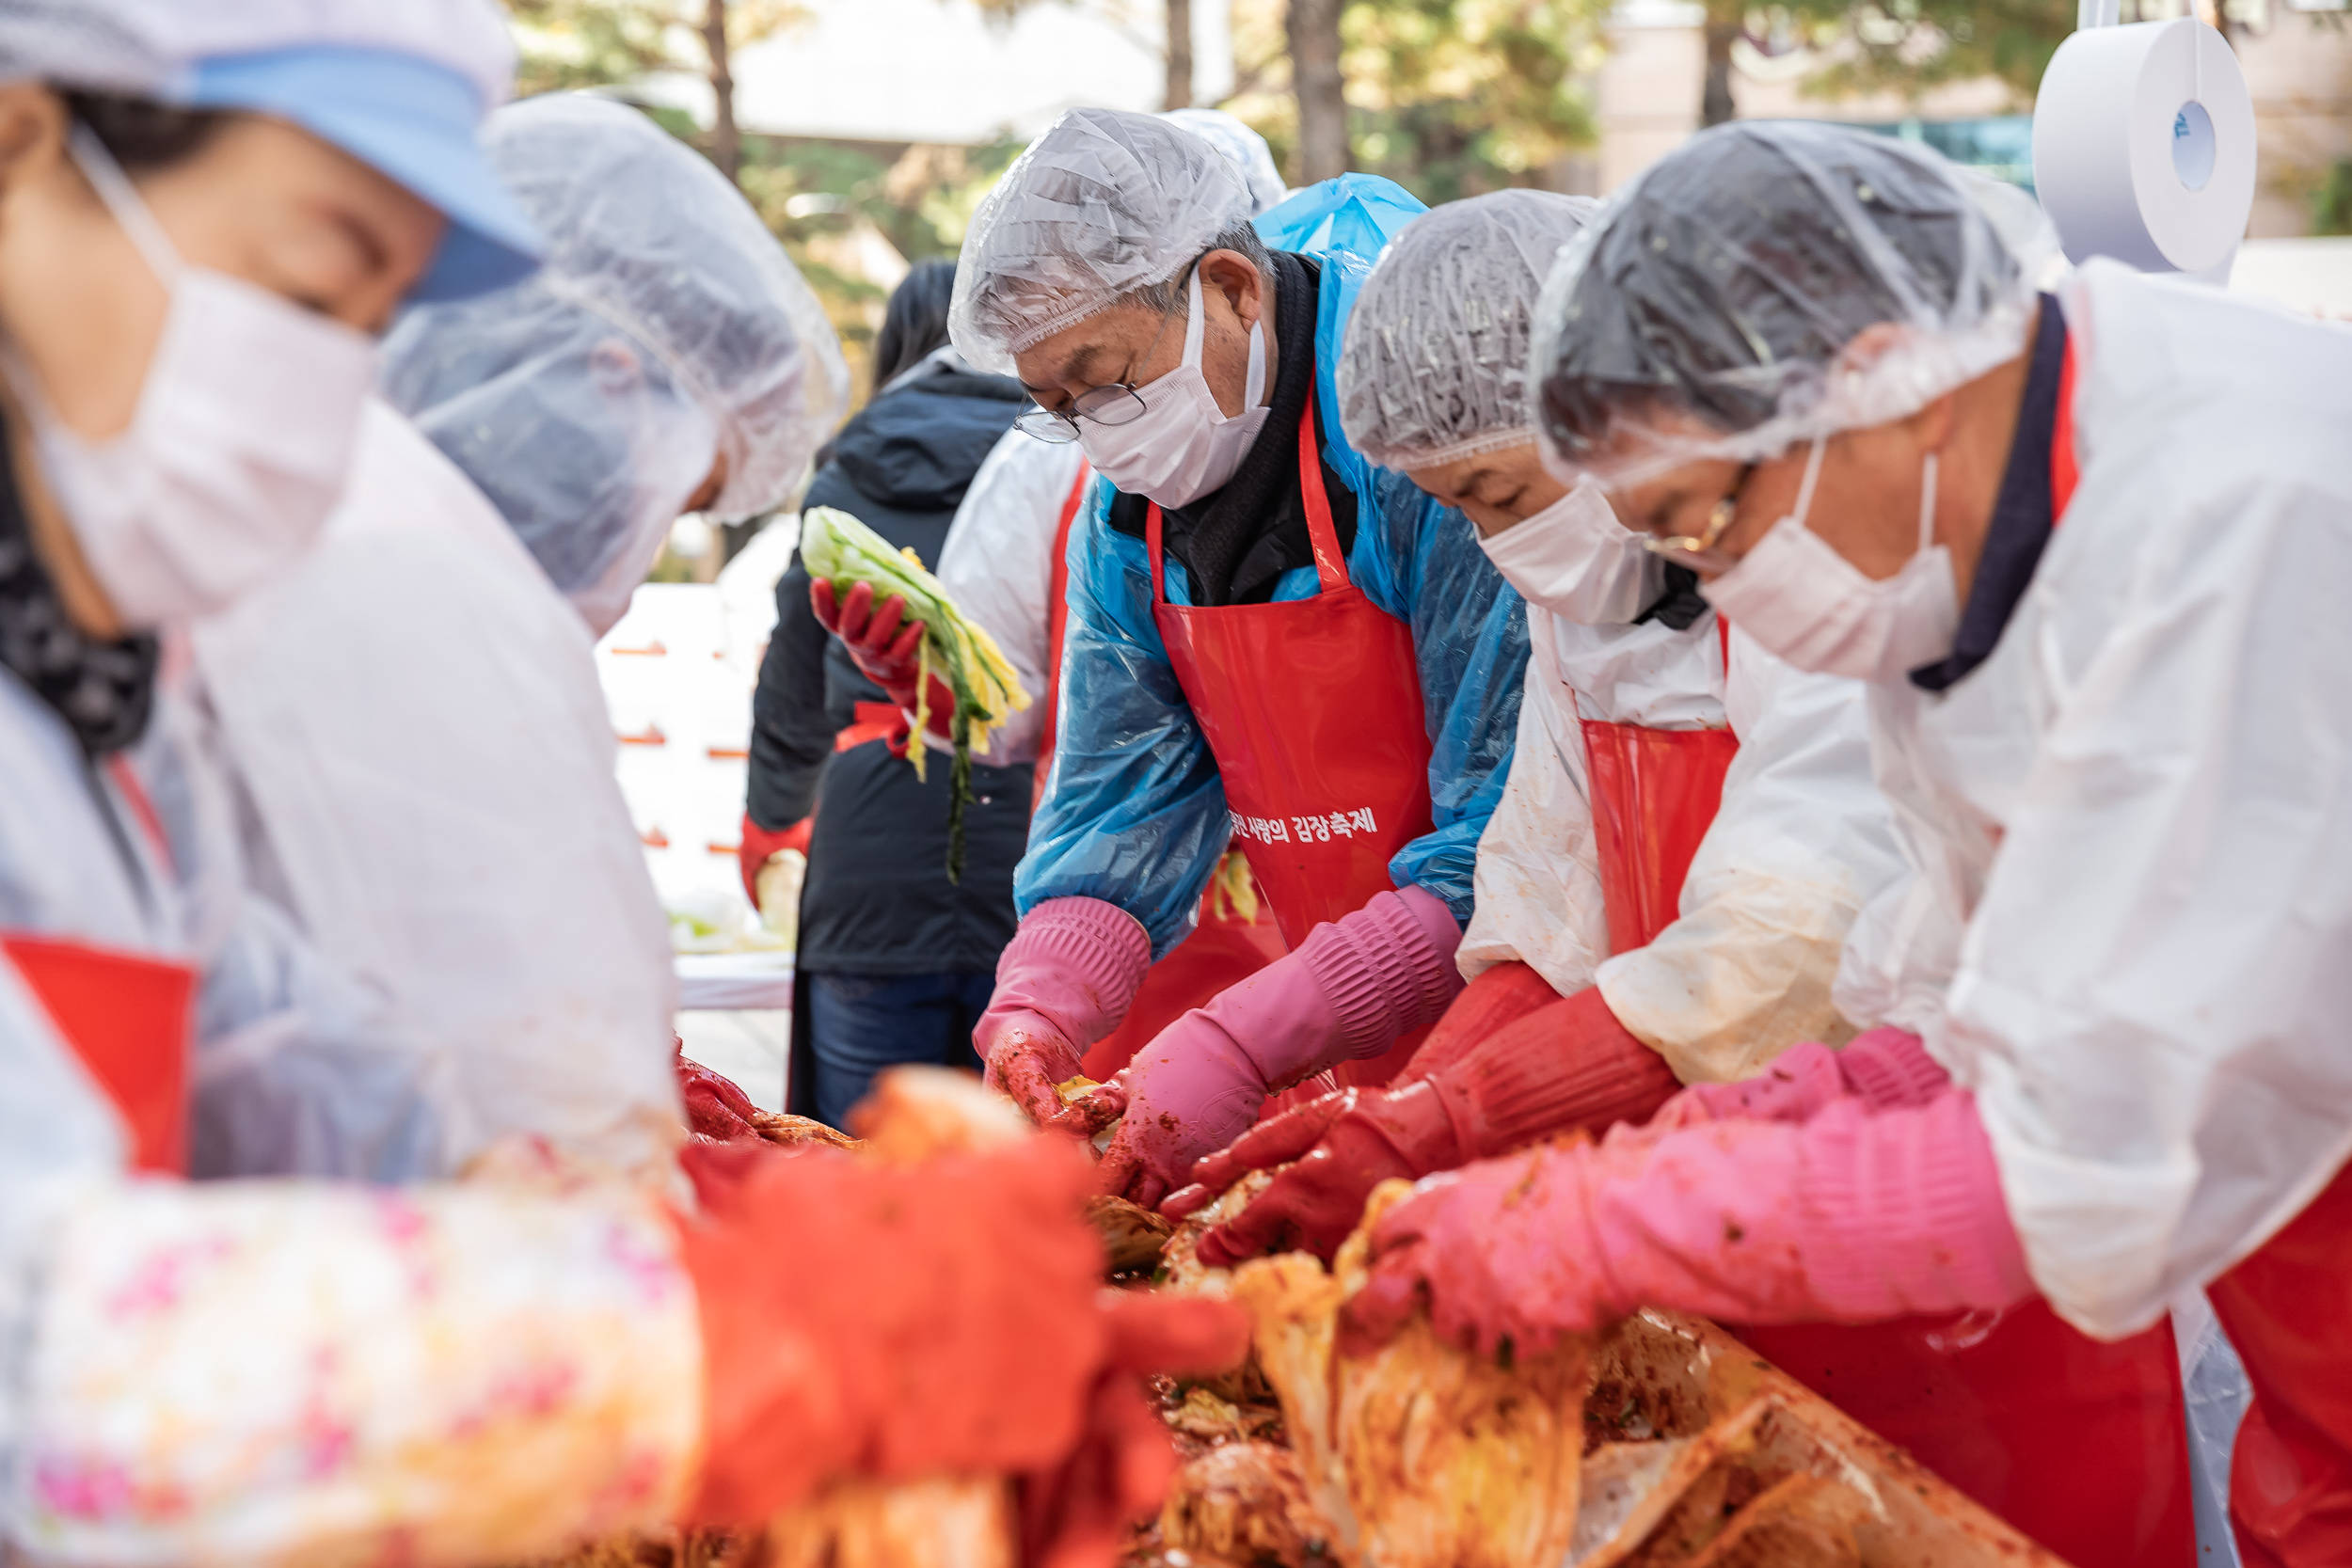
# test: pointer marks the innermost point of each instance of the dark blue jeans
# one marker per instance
(861, 1024)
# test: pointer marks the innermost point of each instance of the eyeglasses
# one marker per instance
(1111, 405)
(1114, 405)
(1698, 552)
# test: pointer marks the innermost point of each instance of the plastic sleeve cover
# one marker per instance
(271, 1373)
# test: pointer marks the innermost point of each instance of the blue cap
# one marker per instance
(417, 122)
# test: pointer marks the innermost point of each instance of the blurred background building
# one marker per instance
(860, 124)
(866, 131)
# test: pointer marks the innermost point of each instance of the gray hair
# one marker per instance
(1166, 297)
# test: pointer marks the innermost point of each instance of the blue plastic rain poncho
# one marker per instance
(1135, 811)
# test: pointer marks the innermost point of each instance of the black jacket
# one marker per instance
(877, 900)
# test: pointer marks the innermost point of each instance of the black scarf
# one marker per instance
(2023, 518)
(1679, 604)
(103, 691)
(1237, 542)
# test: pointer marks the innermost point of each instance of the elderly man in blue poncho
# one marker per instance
(1271, 642)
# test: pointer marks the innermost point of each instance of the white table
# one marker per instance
(735, 1016)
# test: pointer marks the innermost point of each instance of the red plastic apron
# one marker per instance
(130, 1018)
(1654, 794)
(2081, 1445)
(2288, 1310)
(1312, 711)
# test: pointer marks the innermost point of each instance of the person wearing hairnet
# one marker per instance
(1638, 936)
(413, 711)
(2087, 550)
(205, 215)
(654, 366)
(1270, 640)
(894, 958)
(1006, 564)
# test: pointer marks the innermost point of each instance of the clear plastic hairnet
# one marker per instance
(1103, 203)
(667, 328)
(1435, 366)
(1728, 280)
(143, 47)
(1237, 141)
(81, 43)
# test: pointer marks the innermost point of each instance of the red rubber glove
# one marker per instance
(717, 1110)
(1848, 1217)
(886, 652)
(1063, 982)
(1351, 989)
(830, 1347)
(1500, 994)
(756, 846)
(1344, 1143)
(1078, 1515)
(1562, 1068)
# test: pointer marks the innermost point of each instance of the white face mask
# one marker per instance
(1577, 561)
(242, 437)
(1812, 607)
(1182, 446)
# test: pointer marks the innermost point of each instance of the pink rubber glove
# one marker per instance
(1848, 1217)
(1561, 1068)
(1350, 991)
(1885, 1069)
(1063, 982)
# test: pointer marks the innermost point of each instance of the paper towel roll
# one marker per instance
(2143, 146)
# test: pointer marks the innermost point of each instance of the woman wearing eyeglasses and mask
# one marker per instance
(206, 213)
(1271, 641)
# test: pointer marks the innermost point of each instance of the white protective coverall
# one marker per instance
(473, 1372)
(414, 717)
(2155, 745)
